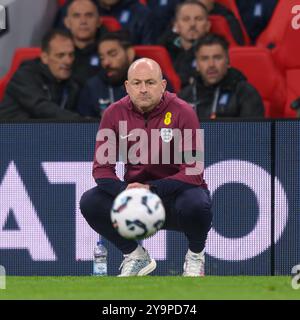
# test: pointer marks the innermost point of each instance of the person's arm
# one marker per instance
(186, 94)
(249, 101)
(111, 186)
(104, 167)
(27, 89)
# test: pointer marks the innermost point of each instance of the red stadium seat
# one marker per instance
(286, 54)
(284, 42)
(281, 19)
(258, 66)
(162, 57)
(231, 5)
(219, 25)
(21, 54)
(3, 84)
(61, 2)
(111, 23)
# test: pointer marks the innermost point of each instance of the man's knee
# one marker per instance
(86, 201)
(94, 202)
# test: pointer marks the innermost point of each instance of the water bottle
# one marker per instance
(100, 260)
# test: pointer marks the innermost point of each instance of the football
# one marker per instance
(137, 213)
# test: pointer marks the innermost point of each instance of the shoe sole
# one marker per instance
(149, 268)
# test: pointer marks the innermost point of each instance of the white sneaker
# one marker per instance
(194, 264)
(137, 263)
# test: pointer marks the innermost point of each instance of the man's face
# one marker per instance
(192, 22)
(59, 57)
(212, 63)
(115, 60)
(145, 86)
(82, 20)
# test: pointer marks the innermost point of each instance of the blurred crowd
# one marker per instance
(83, 60)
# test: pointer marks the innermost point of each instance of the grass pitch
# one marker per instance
(149, 288)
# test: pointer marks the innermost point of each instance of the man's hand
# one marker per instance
(137, 185)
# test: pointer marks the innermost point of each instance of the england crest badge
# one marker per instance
(166, 134)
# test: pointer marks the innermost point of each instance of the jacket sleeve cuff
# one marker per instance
(111, 186)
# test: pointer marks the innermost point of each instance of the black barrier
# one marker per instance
(252, 169)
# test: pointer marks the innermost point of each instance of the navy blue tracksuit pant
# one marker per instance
(188, 211)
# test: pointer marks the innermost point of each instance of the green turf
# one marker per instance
(151, 287)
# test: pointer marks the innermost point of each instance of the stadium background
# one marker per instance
(271, 64)
(252, 169)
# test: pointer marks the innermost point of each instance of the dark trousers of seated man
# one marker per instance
(188, 211)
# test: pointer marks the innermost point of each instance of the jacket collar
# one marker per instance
(229, 82)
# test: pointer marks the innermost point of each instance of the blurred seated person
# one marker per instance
(191, 24)
(256, 15)
(42, 88)
(116, 55)
(62, 12)
(164, 12)
(83, 21)
(219, 90)
(216, 8)
(134, 17)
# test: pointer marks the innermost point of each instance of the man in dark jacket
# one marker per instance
(191, 24)
(134, 17)
(116, 53)
(218, 90)
(42, 88)
(83, 21)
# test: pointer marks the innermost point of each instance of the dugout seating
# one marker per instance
(231, 5)
(275, 31)
(219, 25)
(258, 66)
(162, 57)
(284, 43)
(286, 55)
(157, 53)
(62, 2)
(111, 23)
(20, 55)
